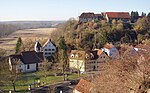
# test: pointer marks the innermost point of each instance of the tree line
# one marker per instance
(95, 34)
(7, 28)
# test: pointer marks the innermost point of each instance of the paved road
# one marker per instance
(65, 87)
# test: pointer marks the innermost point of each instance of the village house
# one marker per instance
(102, 59)
(111, 51)
(123, 16)
(89, 16)
(28, 61)
(85, 17)
(87, 61)
(48, 48)
(84, 86)
(98, 17)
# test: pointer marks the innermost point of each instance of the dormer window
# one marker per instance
(72, 55)
(87, 56)
(76, 55)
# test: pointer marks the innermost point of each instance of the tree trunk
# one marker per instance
(46, 78)
(14, 86)
(64, 72)
(78, 73)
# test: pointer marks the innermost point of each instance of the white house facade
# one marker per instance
(87, 61)
(29, 61)
(48, 48)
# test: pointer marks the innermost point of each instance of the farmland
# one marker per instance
(8, 43)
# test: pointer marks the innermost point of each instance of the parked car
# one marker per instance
(74, 82)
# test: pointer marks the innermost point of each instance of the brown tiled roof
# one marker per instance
(143, 47)
(87, 15)
(84, 86)
(118, 15)
(82, 54)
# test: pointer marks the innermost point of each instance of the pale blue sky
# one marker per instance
(11, 10)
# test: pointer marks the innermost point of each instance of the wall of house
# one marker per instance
(49, 49)
(32, 68)
(103, 58)
(114, 53)
(77, 64)
(76, 91)
(86, 19)
(23, 68)
(91, 65)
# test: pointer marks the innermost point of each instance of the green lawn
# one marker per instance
(29, 78)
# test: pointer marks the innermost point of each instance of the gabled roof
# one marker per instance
(38, 45)
(84, 86)
(118, 15)
(48, 41)
(29, 57)
(87, 15)
(83, 54)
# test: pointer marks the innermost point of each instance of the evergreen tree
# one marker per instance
(18, 45)
(143, 14)
(134, 16)
(148, 16)
(62, 52)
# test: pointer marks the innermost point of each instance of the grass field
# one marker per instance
(30, 78)
(9, 42)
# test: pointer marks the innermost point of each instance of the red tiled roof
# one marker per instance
(118, 15)
(99, 52)
(84, 86)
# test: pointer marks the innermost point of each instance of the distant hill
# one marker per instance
(8, 27)
(33, 24)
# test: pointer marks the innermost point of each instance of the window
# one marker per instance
(53, 49)
(45, 53)
(28, 66)
(45, 49)
(49, 49)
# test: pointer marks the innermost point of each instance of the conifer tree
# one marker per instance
(18, 45)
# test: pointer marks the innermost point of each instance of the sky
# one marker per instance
(46, 10)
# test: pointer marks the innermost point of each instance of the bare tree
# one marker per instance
(45, 69)
(123, 75)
